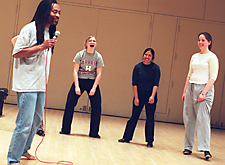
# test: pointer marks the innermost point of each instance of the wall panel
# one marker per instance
(122, 40)
(137, 5)
(163, 39)
(221, 122)
(26, 13)
(8, 23)
(87, 2)
(184, 8)
(215, 10)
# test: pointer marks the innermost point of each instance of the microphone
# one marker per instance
(57, 33)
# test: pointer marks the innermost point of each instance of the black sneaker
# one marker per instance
(207, 155)
(95, 136)
(123, 140)
(40, 133)
(187, 152)
(66, 133)
(149, 144)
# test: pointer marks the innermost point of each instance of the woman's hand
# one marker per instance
(151, 100)
(92, 92)
(77, 90)
(183, 97)
(136, 101)
(201, 97)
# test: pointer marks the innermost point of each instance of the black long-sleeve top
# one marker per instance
(145, 77)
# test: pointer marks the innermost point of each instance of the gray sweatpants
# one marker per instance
(196, 117)
(41, 126)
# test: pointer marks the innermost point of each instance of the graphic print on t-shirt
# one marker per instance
(88, 67)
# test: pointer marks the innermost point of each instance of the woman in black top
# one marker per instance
(145, 82)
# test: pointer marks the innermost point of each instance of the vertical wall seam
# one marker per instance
(221, 102)
(151, 23)
(204, 10)
(148, 6)
(97, 22)
(9, 81)
(177, 31)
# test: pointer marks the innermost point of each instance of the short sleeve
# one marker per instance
(23, 40)
(77, 58)
(100, 62)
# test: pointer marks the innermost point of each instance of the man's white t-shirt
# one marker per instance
(29, 72)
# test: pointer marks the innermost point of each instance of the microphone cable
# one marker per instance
(44, 122)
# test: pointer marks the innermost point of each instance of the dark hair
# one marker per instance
(152, 51)
(41, 17)
(208, 37)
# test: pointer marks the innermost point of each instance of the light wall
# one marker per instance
(124, 28)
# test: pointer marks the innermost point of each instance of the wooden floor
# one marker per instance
(80, 149)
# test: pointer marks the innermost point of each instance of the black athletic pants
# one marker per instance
(150, 113)
(72, 98)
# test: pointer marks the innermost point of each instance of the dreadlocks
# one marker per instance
(41, 17)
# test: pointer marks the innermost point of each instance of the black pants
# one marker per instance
(150, 113)
(72, 98)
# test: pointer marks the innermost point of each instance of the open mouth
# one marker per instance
(92, 46)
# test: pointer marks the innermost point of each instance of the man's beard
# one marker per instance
(53, 21)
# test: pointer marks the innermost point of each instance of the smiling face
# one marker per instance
(147, 58)
(91, 43)
(53, 18)
(203, 43)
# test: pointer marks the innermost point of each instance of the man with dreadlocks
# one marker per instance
(35, 43)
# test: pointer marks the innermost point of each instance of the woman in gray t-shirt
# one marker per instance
(87, 72)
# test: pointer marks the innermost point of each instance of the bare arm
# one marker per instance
(206, 89)
(97, 80)
(75, 78)
(185, 88)
(136, 100)
(152, 97)
(26, 52)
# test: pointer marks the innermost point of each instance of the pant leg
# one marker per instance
(150, 121)
(189, 118)
(71, 102)
(41, 126)
(132, 122)
(26, 104)
(203, 120)
(38, 118)
(95, 112)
